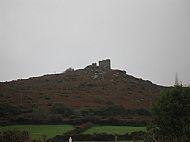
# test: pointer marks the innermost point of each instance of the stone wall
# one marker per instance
(105, 64)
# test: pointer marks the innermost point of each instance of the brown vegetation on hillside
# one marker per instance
(87, 88)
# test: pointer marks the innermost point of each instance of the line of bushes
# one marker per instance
(17, 136)
(14, 136)
(81, 128)
(107, 121)
(57, 119)
(99, 137)
(114, 110)
(59, 113)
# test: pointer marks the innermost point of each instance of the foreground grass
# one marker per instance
(117, 130)
(38, 131)
(117, 141)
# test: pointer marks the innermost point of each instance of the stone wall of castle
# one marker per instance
(105, 64)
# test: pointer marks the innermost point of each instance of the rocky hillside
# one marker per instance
(84, 88)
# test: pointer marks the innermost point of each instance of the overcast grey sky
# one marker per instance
(150, 39)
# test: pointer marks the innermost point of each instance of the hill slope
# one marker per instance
(84, 88)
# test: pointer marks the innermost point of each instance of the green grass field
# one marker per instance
(37, 131)
(118, 130)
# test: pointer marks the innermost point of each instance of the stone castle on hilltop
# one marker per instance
(104, 64)
(98, 71)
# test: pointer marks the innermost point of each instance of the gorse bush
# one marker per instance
(62, 109)
(8, 110)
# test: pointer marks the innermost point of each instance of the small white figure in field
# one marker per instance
(70, 139)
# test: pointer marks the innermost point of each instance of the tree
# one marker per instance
(171, 116)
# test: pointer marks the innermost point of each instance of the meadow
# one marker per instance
(49, 131)
(118, 130)
(39, 131)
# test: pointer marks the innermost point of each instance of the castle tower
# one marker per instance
(105, 64)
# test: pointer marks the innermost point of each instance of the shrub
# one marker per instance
(8, 110)
(62, 109)
(14, 136)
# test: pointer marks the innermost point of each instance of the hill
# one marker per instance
(89, 88)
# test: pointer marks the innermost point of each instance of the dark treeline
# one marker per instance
(59, 114)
